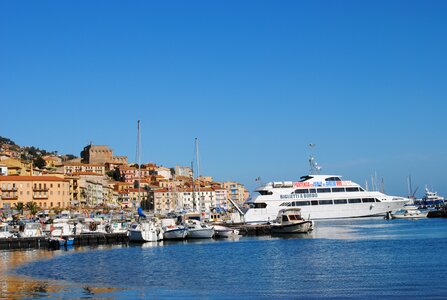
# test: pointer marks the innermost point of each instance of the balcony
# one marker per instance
(40, 197)
(10, 189)
(10, 197)
(40, 189)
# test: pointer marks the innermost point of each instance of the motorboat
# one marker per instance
(198, 230)
(61, 228)
(319, 197)
(221, 231)
(93, 225)
(145, 231)
(289, 220)
(4, 231)
(32, 230)
(409, 213)
(173, 231)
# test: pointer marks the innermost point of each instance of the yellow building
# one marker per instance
(46, 191)
(17, 167)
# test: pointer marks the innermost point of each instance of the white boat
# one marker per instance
(32, 230)
(198, 230)
(289, 220)
(409, 213)
(145, 231)
(93, 225)
(319, 197)
(4, 231)
(173, 231)
(225, 232)
(61, 228)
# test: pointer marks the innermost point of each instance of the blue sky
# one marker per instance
(255, 81)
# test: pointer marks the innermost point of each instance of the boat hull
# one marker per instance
(202, 233)
(302, 227)
(175, 234)
(225, 232)
(321, 212)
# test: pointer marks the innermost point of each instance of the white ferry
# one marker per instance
(319, 197)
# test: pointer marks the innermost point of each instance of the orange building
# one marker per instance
(46, 191)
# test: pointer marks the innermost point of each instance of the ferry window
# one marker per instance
(377, 200)
(260, 205)
(304, 178)
(312, 191)
(352, 189)
(314, 202)
(302, 191)
(338, 190)
(340, 201)
(367, 200)
(325, 202)
(333, 179)
(324, 190)
(292, 217)
(302, 203)
(265, 192)
(355, 200)
(361, 189)
(285, 219)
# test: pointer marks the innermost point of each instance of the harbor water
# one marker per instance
(357, 258)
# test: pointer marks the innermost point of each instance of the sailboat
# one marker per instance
(145, 230)
(197, 229)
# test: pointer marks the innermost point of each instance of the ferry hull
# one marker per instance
(334, 211)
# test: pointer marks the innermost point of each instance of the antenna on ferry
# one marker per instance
(314, 167)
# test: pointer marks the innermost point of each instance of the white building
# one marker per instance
(3, 170)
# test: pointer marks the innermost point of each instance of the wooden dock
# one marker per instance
(79, 240)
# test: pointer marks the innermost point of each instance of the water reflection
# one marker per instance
(344, 259)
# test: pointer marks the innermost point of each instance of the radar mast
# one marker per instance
(314, 167)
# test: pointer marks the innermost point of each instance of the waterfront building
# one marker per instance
(91, 188)
(185, 199)
(71, 168)
(164, 201)
(236, 191)
(205, 198)
(221, 198)
(46, 191)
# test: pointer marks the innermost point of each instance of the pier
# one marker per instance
(79, 240)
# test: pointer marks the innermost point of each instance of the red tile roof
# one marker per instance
(31, 178)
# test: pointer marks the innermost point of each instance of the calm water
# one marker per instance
(362, 258)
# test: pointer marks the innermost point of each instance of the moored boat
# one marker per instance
(221, 231)
(290, 221)
(198, 230)
(145, 231)
(319, 197)
(409, 213)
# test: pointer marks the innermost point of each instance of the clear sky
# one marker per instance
(255, 81)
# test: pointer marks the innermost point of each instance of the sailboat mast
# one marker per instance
(198, 168)
(139, 162)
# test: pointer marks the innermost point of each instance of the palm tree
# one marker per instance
(19, 207)
(32, 207)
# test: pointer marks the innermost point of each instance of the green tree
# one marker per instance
(39, 162)
(32, 207)
(19, 207)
